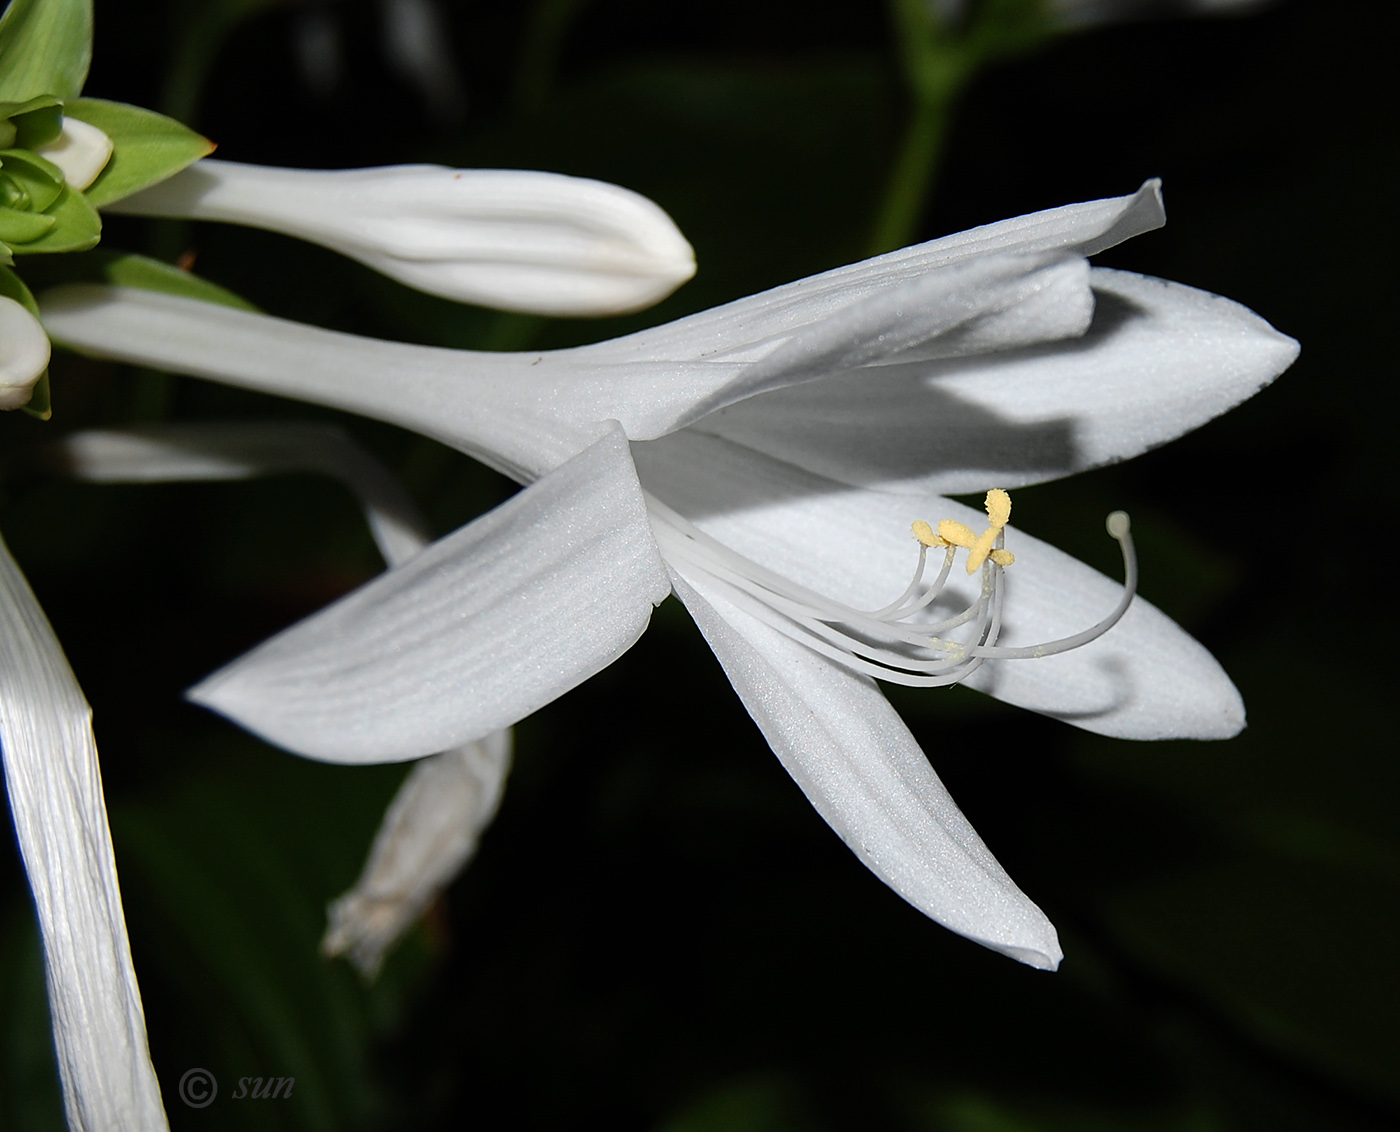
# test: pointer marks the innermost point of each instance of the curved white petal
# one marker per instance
(234, 451)
(24, 354)
(1159, 360)
(81, 150)
(1145, 679)
(537, 242)
(429, 833)
(431, 828)
(482, 628)
(55, 790)
(760, 320)
(858, 765)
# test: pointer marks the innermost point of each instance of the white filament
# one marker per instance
(883, 643)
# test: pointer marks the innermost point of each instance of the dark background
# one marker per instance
(659, 932)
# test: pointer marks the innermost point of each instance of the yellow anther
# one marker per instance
(979, 551)
(956, 534)
(983, 546)
(925, 534)
(998, 507)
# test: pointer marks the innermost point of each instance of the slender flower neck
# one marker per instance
(899, 642)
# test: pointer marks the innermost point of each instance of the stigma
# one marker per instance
(906, 641)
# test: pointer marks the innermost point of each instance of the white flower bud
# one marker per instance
(24, 354)
(81, 151)
(541, 243)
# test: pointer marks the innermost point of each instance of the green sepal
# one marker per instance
(33, 122)
(45, 48)
(76, 228)
(21, 227)
(39, 177)
(40, 403)
(149, 147)
(125, 269)
(38, 127)
(12, 287)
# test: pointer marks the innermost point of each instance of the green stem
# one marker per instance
(550, 24)
(897, 221)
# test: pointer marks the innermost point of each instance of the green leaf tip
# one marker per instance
(126, 269)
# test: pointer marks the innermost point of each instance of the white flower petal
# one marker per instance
(81, 151)
(992, 303)
(242, 450)
(1144, 679)
(537, 242)
(55, 790)
(1160, 359)
(762, 319)
(24, 354)
(429, 833)
(482, 628)
(858, 765)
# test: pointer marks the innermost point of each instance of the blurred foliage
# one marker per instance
(659, 932)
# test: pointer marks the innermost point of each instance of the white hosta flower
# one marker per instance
(55, 790)
(764, 461)
(24, 354)
(433, 825)
(541, 243)
(80, 150)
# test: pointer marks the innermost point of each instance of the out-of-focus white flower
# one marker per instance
(1082, 13)
(80, 150)
(24, 354)
(60, 818)
(763, 460)
(541, 243)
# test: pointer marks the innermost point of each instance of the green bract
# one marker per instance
(125, 269)
(45, 49)
(149, 147)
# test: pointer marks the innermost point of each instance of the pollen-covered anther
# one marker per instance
(927, 535)
(983, 546)
(954, 533)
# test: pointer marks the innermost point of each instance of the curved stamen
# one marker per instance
(884, 643)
